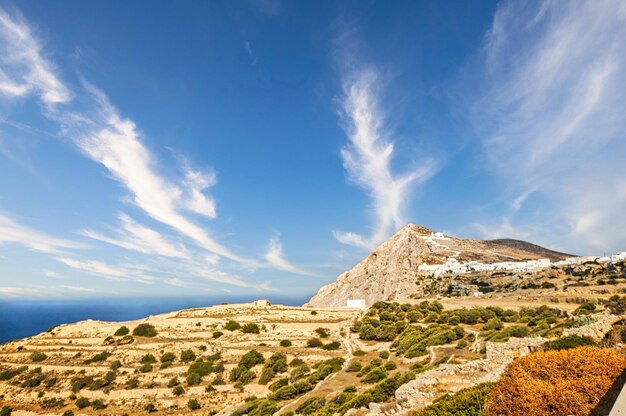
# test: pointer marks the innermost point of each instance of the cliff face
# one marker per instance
(391, 271)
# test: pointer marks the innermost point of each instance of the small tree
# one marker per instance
(145, 330)
(285, 343)
(187, 356)
(148, 359)
(232, 325)
(250, 328)
(193, 404)
(37, 356)
(121, 331)
(314, 343)
(178, 391)
(82, 402)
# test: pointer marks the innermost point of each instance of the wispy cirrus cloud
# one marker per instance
(23, 70)
(276, 258)
(127, 272)
(550, 113)
(13, 232)
(136, 237)
(368, 160)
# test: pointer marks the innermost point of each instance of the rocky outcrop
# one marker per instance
(390, 273)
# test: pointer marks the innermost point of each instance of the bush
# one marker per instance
(551, 383)
(193, 379)
(493, 324)
(217, 334)
(98, 405)
(311, 405)
(322, 332)
(37, 356)
(384, 355)
(250, 328)
(232, 325)
(52, 403)
(241, 375)
(374, 375)
(82, 402)
(6, 411)
(285, 343)
(568, 342)
(150, 408)
(193, 404)
(332, 346)
(148, 359)
(145, 368)
(178, 391)
(115, 365)
(121, 331)
(266, 375)
(98, 357)
(187, 356)
(168, 357)
(251, 358)
(173, 382)
(278, 384)
(354, 366)
(466, 402)
(145, 330)
(314, 343)
(66, 413)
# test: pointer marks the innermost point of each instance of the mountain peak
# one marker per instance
(391, 271)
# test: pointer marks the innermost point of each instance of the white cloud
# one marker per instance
(175, 281)
(52, 275)
(135, 273)
(276, 258)
(368, 160)
(23, 69)
(115, 142)
(553, 115)
(77, 288)
(12, 232)
(133, 236)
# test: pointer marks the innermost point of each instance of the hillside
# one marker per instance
(390, 273)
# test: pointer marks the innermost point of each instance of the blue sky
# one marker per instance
(263, 147)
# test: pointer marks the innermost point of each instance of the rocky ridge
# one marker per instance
(390, 273)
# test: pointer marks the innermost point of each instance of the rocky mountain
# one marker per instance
(391, 271)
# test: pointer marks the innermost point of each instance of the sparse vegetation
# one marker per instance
(121, 331)
(37, 356)
(145, 330)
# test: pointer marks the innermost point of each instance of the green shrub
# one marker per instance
(193, 379)
(145, 330)
(168, 357)
(98, 405)
(37, 356)
(278, 384)
(354, 366)
(202, 368)
(322, 332)
(187, 356)
(6, 411)
(52, 403)
(242, 375)
(115, 365)
(121, 331)
(148, 359)
(66, 413)
(311, 405)
(82, 402)
(570, 341)
(332, 346)
(390, 365)
(358, 353)
(266, 375)
(461, 344)
(150, 408)
(251, 358)
(9, 374)
(145, 368)
(103, 356)
(178, 391)
(493, 324)
(285, 343)
(232, 325)
(250, 328)
(467, 402)
(217, 334)
(173, 382)
(193, 404)
(296, 362)
(374, 375)
(384, 355)
(314, 343)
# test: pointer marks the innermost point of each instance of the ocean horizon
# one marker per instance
(25, 318)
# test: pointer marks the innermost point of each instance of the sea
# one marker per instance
(24, 318)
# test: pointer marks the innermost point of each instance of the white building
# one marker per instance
(356, 304)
